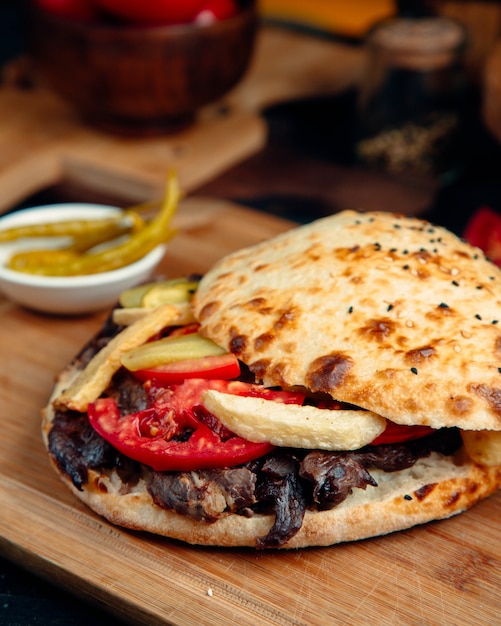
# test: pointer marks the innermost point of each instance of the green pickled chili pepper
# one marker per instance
(135, 246)
(129, 222)
(67, 228)
(29, 260)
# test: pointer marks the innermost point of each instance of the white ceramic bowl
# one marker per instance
(74, 294)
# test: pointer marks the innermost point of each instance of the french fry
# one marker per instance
(93, 380)
(284, 425)
(128, 316)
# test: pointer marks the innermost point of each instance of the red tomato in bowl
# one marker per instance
(82, 10)
(152, 11)
(213, 10)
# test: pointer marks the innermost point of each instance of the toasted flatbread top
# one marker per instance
(383, 311)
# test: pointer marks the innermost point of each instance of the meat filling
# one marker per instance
(280, 487)
(284, 483)
(334, 476)
(204, 495)
(76, 447)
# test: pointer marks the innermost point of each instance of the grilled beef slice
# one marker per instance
(76, 447)
(204, 494)
(280, 487)
(333, 476)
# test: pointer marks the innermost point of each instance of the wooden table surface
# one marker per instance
(443, 573)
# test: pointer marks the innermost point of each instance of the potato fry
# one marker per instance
(94, 379)
(127, 316)
(258, 420)
(483, 446)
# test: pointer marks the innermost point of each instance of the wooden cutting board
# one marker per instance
(446, 573)
(43, 141)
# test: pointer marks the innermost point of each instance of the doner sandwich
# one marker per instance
(338, 382)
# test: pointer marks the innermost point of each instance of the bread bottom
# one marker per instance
(434, 488)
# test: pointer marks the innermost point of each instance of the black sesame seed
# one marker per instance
(479, 317)
(479, 287)
(405, 267)
(405, 251)
(393, 249)
(495, 322)
(455, 283)
(407, 497)
(350, 310)
(414, 370)
(442, 305)
(499, 370)
(390, 306)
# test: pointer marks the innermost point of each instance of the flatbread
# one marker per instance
(386, 312)
(435, 488)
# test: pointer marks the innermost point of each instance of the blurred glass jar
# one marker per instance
(412, 103)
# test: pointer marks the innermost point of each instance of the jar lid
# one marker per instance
(419, 43)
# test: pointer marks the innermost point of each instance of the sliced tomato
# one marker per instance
(149, 436)
(185, 330)
(396, 433)
(184, 397)
(204, 449)
(221, 367)
(216, 366)
(484, 231)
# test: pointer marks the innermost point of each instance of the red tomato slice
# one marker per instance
(396, 433)
(148, 436)
(484, 231)
(204, 449)
(189, 329)
(183, 398)
(152, 11)
(221, 367)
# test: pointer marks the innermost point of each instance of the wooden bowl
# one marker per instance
(139, 80)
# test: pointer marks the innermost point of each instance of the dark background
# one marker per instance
(298, 176)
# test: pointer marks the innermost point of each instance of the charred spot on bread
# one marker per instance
(378, 329)
(419, 356)
(327, 372)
